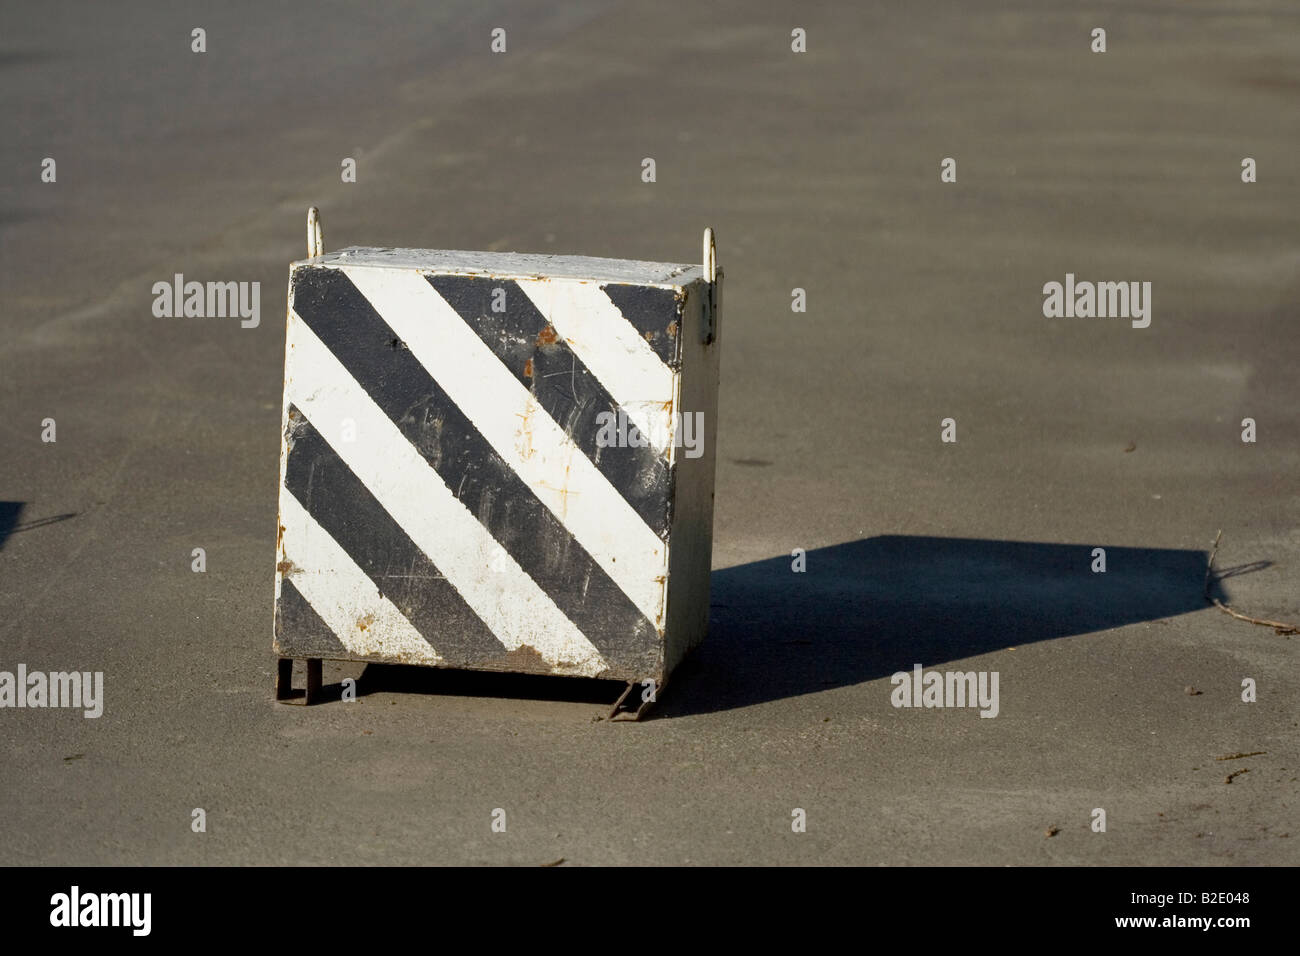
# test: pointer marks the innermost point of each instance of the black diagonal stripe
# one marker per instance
(342, 505)
(655, 313)
(502, 502)
(299, 630)
(571, 395)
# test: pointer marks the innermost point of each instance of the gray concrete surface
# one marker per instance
(819, 171)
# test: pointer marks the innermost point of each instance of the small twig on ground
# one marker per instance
(1253, 753)
(1236, 773)
(1278, 627)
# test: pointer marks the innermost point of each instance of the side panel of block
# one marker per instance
(691, 539)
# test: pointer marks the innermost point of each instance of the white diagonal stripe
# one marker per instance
(365, 622)
(515, 424)
(612, 349)
(500, 592)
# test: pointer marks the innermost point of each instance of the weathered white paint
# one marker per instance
(686, 614)
(612, 349)
(516, 265)
(509, 601)
(508, 416)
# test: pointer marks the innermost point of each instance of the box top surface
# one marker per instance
(508, 265)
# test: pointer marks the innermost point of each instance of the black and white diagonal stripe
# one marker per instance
(473, 520)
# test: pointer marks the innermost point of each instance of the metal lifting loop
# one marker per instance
(315, 244)
(713, 305)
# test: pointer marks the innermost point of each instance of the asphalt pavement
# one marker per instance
(821, 171)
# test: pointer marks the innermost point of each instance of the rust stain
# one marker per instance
(363, 623)
(564, 493)
(649, 335)
(526, 658)
(672, 329)
(525, 442)
(662, 581)
(286, 566)
(547, 336)
(528, 368)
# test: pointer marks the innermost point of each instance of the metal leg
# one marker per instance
(617, 713)
(313, 680)
(647, 704)
(622, 697)
(284, 678)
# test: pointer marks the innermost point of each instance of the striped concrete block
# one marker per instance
(494, 461)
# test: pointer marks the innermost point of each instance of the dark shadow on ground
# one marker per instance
(10, 511)
(403, 679)
(870, 608)
(867, 609)
(9, 514)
